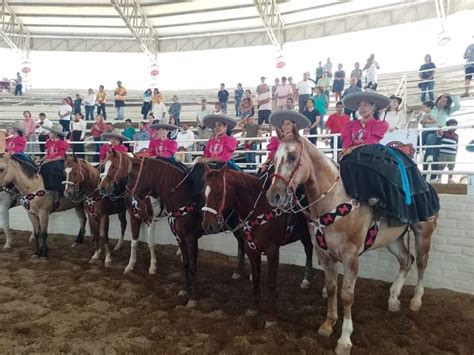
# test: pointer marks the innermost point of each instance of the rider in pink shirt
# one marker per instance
(16, 143)
(161, 145)
(116, 140)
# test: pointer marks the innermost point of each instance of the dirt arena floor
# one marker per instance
(68, 305)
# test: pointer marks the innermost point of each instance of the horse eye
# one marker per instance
(291, 158)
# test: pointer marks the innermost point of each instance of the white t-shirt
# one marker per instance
(90, 101)
(395, 119)
(40, 130)
(185, 139)
(371, 75)
(63, 110)
(158, 110)
(79, 126)
(201, 114)
(304, 87)
(263, 96)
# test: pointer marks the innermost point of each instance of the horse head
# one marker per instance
(75, 178)
(217, 199)
(116, 167)
(8, 170)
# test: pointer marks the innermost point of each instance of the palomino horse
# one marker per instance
(38, 202)
(158, 178)
(81, 185)
(345, 228)
(265, 229)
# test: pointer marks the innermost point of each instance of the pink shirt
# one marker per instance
(104, 150)
(286, 91)
(29, 125)
(55, 148)
(272, 147)
(354, 133)
(164, 148)
(15, 144)
(221, 147)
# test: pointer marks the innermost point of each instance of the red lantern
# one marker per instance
(154, 72)
(25, 70)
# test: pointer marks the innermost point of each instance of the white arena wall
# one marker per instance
(451, 263)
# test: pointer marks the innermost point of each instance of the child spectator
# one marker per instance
(251, 130)
(449, 149)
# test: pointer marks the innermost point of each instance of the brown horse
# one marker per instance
(158, 178)
(266, 229)
(81, 185)
(345, 228)
(38, 202)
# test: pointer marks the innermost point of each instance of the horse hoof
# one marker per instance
(93, 260)
(178, 252)
(415, 306)
(394, 306)
(324, 332)
(270, 324)
(35, 256)
(182, 293)
(324, 293)
(236, 276)
(251, 313)
(152, 270)
(43, 258)
(250, 277)
(108, 264)
(73, 245)
(304, 284)
(343, 349)
(32, 238)
(192, 304)
(117, 247)
(7, 247)
(128, 270)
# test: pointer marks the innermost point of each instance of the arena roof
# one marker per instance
(156, 26)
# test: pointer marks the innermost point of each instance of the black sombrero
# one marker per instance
(115, 135)
(300, 121)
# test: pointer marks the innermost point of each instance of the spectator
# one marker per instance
(78, 133)
(328, 68)
(101, 95)
(150, 118)
(185, 141)
(109, 127)
(175, 110)
(371, 68)
(120, 94)
(70, 102)
(338, 84)
(393, 115)
(64, 114)
(427, 83)
(251, 130)
(89, 105)
(18, 85)
(289, 104)
(314, 117)
(203, 132)
(238, 95)
(259, 87)
(223, 96)
(157, 95)
(98, 128)
(29, 128)
(424, 116)
(305, 90)
(449, 149)
(353, 87)
(143, 133)
(357, 74)
(77, 104)
(172, 134)
(129, 130)
(264, 103)
(246, 108)
(319, 71)
(217, 108)
(159, 109)
(274, 94)
(321, 104)
(146, 105)
(283, 92)
(41, 132)
(293, 88)
(326, 83)
(336, 123)
(468, 68)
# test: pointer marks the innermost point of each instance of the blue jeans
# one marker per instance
(120, 113)
(237, 107)
(251, 157)
(101, 110)
(224, 107)
(427, 87)
(430, 138)
(89, 113)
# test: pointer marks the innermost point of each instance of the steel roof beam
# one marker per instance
(139, 25)
(14, 32)
(272, 20)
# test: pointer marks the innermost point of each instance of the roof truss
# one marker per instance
(272, 20)
(13, 32)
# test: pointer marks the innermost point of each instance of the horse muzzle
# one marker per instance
(278, 198)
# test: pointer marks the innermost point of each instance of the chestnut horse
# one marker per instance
(38, 202)
(81, 185)
(158, 178)
(345, 228)
(266, 229)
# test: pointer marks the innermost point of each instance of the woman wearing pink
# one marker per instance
(161, 145)
(29, 127)
(116, 140)
(16, 142)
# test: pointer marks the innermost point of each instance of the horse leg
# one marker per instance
(151, 246)
(5, 222)
(423, 232)
(36, 229)
(185, 260)
(350, 261)
(122, 216)
(405, 259)
(43, 234)
(329, 265)
(273, 257)
(104, 225)
(135, 224)
(240, 255)
(308, 271)
(192, 244)
(94, 225)
(256, 265)
(81, 214)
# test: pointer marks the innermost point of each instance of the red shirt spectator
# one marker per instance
(336, 122)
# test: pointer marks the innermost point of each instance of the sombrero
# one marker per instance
(351, 101)
(300, 121)
(209, 121)
(56, 128)
(113, 134)
(17, 127)
(169, 127)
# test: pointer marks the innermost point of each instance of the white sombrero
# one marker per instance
(300, 121)
(113, 134)
(169, 127)
(351, 101)
(56, 128)
(209, 121)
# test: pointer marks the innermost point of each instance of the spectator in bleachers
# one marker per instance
(89, 105)
(336, 123)
(283, 92)
(203, 132)
(157, 94)
(427, 83)
(223, 96)
(264, 102)
(371, 68)
(146, 104)
(326, 83)
(449, 148)
(328, 68)
(77, 104)
(353, 87)
(259, 87)
(120, 94)
(468, 68)
(109, 127)
(238, 95)
(18, 85)
(319, 71)
(172, 134)
(274, 94)
(97, 130)
(293, 88)
(175, 109)
(321, 104)
(78, 133)
(289, 104)
(29, 127)
(427, 121)
(393, 115)
(357, 74)
(217, 108)
(159, 109)
(314, 117)
(101, 100)
(129, 130)
(64, 114)
(41, 132)
(143, 133)
(250, 130)
(304, 90)
(185, 139)
(338, 83)
(246, 108)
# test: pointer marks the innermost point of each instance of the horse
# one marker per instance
(266, 229)
(344, 229)
(38, 202)
(158, 178)
(81, 185)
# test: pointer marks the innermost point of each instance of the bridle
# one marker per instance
(113, 180)
(289, 181)
(77, 185)
(219, 212)
(135, 200)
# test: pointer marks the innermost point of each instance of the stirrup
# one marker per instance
(373, 201)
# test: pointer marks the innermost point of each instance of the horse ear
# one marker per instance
(74, 157)
(224, 167)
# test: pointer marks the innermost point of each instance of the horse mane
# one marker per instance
(27, 165)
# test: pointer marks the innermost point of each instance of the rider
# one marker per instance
(16, 142)
(378, 175)
(161, 145)
(115, 139)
